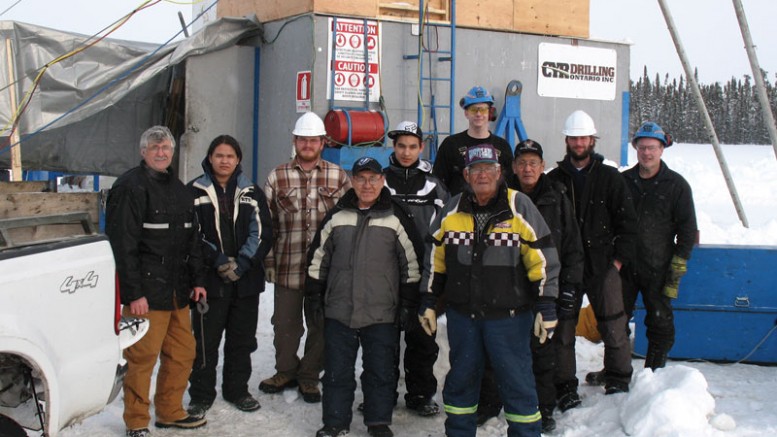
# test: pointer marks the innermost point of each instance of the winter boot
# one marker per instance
(422, 405)
(277, 383)
(595, 378)
(198, 408)
(566, 396)
(246, 403)
(332, 431)
(380, 431)
(310, 392)
(548, 423)
(615, 387)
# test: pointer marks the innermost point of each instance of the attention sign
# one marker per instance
(351, 42)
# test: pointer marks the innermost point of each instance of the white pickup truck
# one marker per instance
(61, 330)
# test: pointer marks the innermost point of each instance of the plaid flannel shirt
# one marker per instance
(298, 202)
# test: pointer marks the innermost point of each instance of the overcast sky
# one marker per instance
(708, 29)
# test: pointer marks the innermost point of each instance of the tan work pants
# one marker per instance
(170, 340)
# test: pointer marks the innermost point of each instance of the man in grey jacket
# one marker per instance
(363, 276)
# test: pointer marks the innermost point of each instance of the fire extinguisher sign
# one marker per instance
(303, 91)
(351, 75)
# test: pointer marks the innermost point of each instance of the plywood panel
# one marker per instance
(559, 17)
(547, 17)
(489, 14)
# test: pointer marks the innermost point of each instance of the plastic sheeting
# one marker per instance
(89, 110)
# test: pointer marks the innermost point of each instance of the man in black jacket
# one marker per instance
(666, 235)
(152, 227)
(236, 230)
(607, 221)
(410, 181)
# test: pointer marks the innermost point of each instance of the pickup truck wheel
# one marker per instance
(9, 428)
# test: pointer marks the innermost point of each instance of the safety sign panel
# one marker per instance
(576, 72)
(303, 91)
(354, 60)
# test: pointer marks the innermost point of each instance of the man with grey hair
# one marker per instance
(152, 227)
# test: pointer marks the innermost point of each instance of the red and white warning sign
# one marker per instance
(303, 91)
(355, 60)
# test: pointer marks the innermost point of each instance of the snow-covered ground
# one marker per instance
(683, 400)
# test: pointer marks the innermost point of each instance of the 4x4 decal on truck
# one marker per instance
(72, 285)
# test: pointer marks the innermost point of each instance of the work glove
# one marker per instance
(227, 271)
(427, 316)
(545, 321)
(677, 268)
(565, 303)
(269, 274)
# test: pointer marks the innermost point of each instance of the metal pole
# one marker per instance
(703, 110)
(763, 99)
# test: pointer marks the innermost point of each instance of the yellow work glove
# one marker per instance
(545, 321)
(428, 319)
(677, 268)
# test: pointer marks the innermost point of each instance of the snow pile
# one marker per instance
(671, 401)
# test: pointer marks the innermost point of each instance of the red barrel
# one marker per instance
(366, 126)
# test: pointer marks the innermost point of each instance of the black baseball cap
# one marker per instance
(366, 163)
(528, 146)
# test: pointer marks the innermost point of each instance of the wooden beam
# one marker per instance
(16, 151)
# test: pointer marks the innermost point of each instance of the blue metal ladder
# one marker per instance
(427, 98)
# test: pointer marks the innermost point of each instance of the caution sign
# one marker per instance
(303, 91)
(354, 59)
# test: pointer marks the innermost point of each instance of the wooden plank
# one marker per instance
(408, 10)
(560, 17)
(15, 205)
(265, 10)
(23, 187)
(354, 8)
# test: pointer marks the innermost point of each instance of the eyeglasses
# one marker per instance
(530, 164)
(478, 110)
(490, 170)
(650, 148)
(156, 148)
(372, 180)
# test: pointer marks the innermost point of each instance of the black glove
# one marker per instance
(565, 303)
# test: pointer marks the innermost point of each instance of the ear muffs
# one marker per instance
(669, 140)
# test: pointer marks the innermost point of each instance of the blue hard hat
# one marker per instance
(652, 130)
(477, 94)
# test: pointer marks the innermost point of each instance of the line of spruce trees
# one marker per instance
(733, 107)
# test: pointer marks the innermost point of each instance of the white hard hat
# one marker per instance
(579, 124)
(309, 125)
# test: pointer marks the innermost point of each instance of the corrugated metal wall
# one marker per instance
(487, 58)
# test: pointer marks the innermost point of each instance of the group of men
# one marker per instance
(486, 236)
